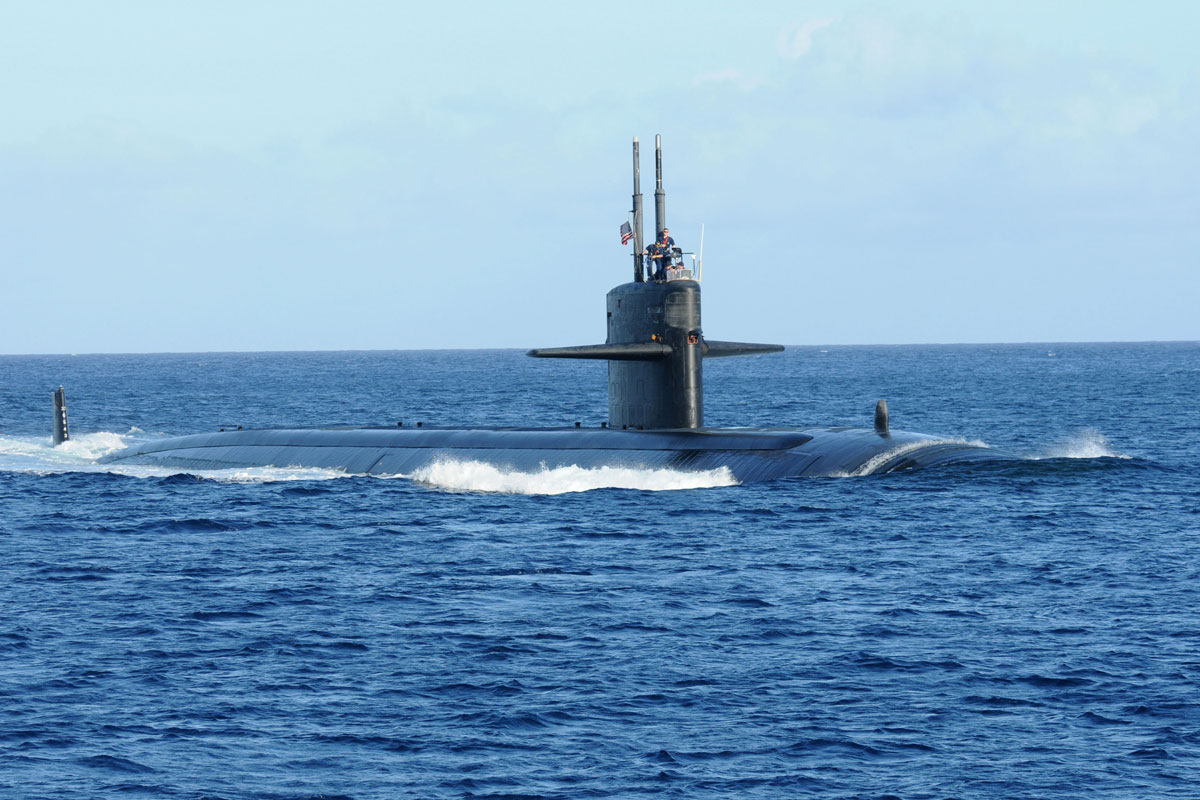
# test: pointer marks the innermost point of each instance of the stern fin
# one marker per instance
(881, 418)
(60, 417)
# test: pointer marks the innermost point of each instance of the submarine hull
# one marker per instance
(750, 454)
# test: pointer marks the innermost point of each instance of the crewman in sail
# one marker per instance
(662, 254)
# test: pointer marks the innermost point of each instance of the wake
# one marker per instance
(38, 456)
(1087, 443)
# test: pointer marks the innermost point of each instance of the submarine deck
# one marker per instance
(751, 454)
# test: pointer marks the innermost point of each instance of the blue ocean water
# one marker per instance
(1007, 629)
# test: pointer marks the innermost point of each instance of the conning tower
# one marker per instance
(655, 346)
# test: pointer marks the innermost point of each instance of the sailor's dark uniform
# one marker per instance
(662, 254)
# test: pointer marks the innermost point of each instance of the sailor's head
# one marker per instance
(665, 233)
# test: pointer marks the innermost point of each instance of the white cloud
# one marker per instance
(728, 78)
(796, 40)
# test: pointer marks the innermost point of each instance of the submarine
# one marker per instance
(655, 350)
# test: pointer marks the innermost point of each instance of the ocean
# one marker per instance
(1023, 629)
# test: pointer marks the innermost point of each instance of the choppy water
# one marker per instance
(1024, 629)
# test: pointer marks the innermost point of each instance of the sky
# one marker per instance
(375, 175)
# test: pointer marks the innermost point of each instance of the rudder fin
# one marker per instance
(60, 417)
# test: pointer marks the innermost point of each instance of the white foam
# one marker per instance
(261, 474)
(233, 475)
(25, 453)
(477, 476)
(79, 454)
(1086, 443)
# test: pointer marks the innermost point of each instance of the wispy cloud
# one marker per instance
(732, 78)
(796, 40)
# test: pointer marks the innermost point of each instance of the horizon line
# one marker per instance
(497, 349)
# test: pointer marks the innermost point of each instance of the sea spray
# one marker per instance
(37, 455)
(477, 476)
(1085, 443)
(19, 453)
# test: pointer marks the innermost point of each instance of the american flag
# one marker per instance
(626, 232)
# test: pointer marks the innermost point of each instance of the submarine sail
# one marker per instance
(655, 345)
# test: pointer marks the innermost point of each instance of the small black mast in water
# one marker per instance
(60, 417)
(655, 347)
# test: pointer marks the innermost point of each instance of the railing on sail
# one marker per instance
(678, 271)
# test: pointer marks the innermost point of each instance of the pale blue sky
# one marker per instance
(279, 176)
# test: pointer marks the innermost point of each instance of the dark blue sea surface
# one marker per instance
(1004, 629)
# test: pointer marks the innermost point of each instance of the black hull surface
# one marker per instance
(750, 454)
